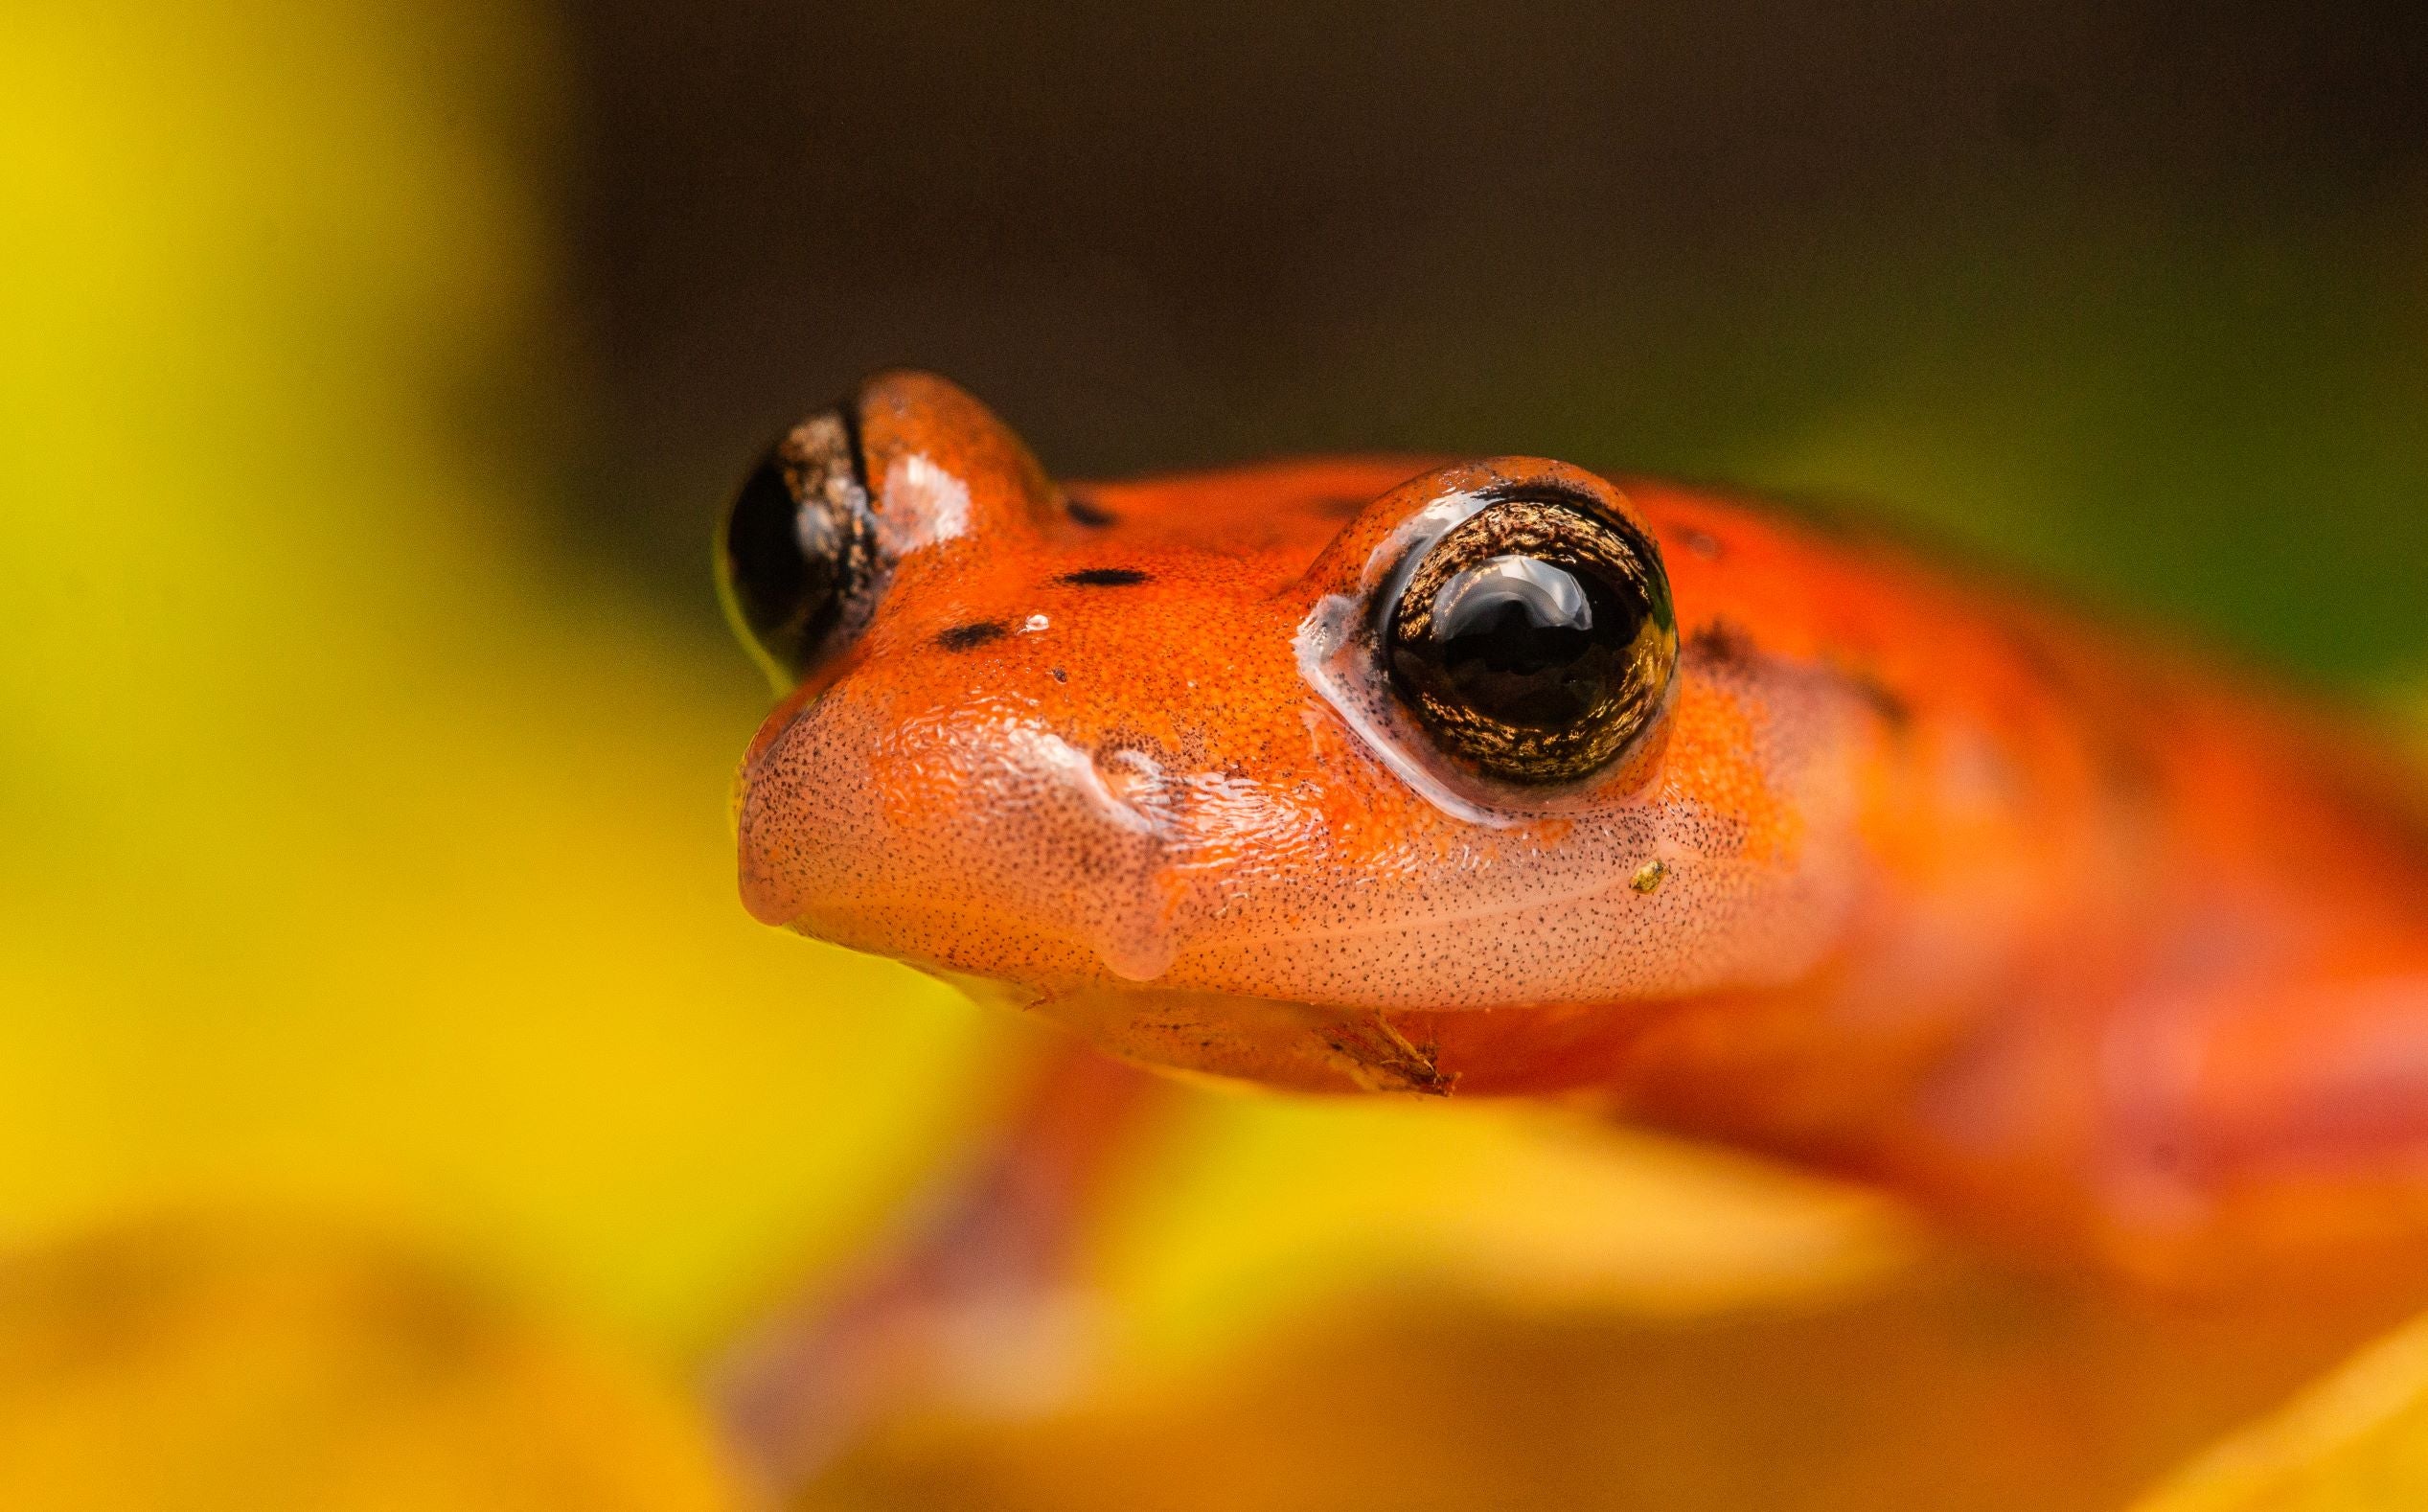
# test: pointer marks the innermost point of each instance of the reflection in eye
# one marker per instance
(1549, 596)
(1543, 593)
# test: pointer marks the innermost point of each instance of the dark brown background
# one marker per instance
(2131, 294)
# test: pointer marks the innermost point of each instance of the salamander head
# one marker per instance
(1357, 735)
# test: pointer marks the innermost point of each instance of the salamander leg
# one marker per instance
(974, 1298)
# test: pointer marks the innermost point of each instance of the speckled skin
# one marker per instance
(2091, 949)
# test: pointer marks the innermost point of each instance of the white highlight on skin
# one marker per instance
(936, 506)
(1141, 938)
(1044, 750)
(1032, 624)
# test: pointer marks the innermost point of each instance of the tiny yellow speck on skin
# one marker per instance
(1648, 876)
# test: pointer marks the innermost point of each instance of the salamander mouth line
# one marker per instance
(1477, 915)
(927, 906)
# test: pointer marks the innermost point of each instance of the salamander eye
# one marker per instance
(799, 552)
(1534, 640)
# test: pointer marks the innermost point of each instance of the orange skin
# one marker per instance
(2095, 952)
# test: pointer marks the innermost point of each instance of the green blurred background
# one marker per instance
(372, 375)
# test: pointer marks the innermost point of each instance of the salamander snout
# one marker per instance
(977, 840)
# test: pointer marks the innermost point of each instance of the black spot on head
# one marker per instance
(1095, 517)
(1061, 676)
(1720, 644)
(1104, 578)
(963, 638)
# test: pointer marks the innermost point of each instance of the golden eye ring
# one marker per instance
(1534, 640)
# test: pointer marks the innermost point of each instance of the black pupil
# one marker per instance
(1532, 643)
(786, 593)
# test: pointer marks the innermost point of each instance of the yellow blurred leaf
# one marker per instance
(2355, 1442)
(1266, 1206)
(195, 1365)
(352, 857)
